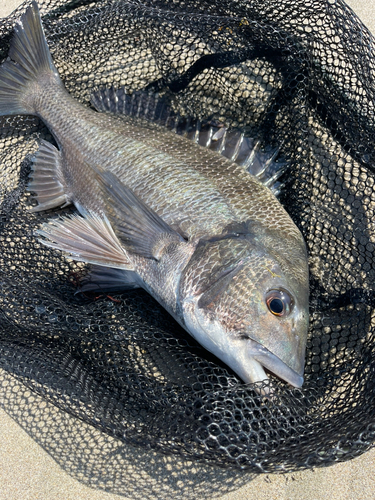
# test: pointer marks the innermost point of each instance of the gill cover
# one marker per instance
(243, 303)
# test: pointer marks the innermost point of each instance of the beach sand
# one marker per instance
(83, 464)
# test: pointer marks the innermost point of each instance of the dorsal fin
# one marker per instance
(234, 144)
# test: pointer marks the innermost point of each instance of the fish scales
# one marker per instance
(208, 240)
(146, 164)
(133, 152)
(155, 161)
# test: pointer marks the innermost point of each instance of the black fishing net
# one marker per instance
(298, 75)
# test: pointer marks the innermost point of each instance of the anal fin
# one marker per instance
(47, 179)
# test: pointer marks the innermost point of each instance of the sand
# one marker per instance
(36, 468)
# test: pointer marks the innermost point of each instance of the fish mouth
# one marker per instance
(246, 357)
(260, 358)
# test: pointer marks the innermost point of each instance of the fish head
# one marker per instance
(245, 299)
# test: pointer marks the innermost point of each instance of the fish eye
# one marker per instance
(279, 302)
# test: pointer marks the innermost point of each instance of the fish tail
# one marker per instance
(30, 66)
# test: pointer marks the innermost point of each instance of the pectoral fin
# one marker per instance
(87, 239)
(140, 229)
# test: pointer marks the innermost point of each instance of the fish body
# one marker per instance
(208, 240)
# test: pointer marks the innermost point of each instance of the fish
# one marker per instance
(159, 211)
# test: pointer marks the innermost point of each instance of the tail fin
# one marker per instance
(30, 61)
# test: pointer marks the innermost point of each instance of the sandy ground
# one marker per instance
(28, 471)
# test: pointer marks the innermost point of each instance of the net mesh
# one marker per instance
(296, 74)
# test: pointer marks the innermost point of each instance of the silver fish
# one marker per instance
(156, 210)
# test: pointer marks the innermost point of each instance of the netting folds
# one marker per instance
(296, 74)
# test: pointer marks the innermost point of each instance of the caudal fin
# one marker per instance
(30, 62)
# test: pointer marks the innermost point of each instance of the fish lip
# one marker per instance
(276, 366)
(252, 349)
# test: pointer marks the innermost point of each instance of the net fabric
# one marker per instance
(297, 75)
